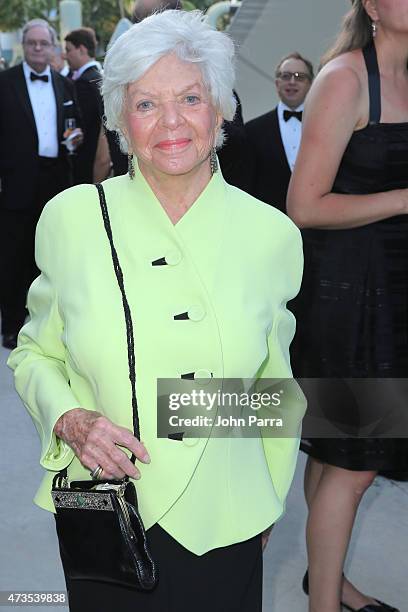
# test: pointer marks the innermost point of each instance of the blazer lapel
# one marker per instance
(20, 86)
(278, 141)
(58, 87)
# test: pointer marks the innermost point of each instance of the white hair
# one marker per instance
(40, 23)
(189, 36)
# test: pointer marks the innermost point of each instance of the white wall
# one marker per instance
(9, 43)
(266, 30)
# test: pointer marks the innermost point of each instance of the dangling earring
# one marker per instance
(131, 168)
(374, 28)
(213, 161)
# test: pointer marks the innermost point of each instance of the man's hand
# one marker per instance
(76, 136)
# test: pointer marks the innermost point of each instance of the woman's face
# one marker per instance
(392, 14)
(170, 122)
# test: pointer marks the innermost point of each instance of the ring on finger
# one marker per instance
(96, 472)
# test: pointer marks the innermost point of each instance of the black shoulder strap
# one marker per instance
(126, 309)
(62, 474)
(374, 83)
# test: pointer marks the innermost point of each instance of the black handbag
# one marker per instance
(101, 534)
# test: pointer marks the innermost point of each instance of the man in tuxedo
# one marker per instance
(35, 103)
(274, 138)
(80, 50)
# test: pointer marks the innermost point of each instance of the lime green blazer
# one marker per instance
(232, 263)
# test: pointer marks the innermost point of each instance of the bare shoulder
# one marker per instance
(340, 91)
(342, 85)
(341, 76)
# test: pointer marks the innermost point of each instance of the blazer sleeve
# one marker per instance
(281, 452)
(41, 378)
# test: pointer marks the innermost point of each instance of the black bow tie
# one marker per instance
(287, 114)
(39, 77)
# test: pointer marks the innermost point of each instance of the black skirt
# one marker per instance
(226, 579)
(352, 316)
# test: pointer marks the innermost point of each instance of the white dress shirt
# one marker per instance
(291, 133)
(81, 70)
(64, 71)
(44, 107)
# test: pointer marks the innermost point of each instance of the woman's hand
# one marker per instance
(95, 439)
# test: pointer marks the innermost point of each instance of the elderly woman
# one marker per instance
(207, 272)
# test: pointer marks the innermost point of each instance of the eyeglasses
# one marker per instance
(298, 76)
(44, 44)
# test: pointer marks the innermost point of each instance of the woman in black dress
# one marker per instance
(350, 193)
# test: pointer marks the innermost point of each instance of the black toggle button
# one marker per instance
(181, 317)
(159, 262)
(176, 436)
(188, 376)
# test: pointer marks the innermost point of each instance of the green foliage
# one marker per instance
(101, 15)
(14, 13)
(188, 5)
(202, 4)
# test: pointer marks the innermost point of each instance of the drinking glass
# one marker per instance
(70, 125)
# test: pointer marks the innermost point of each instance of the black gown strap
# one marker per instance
(374, 83)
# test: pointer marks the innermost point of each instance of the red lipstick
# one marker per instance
(177, 143)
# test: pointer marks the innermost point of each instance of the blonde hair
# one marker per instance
(356, 32)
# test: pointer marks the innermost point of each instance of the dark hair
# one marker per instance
(145, 8)
(295, 55)
(355, 33)
(85, 37)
